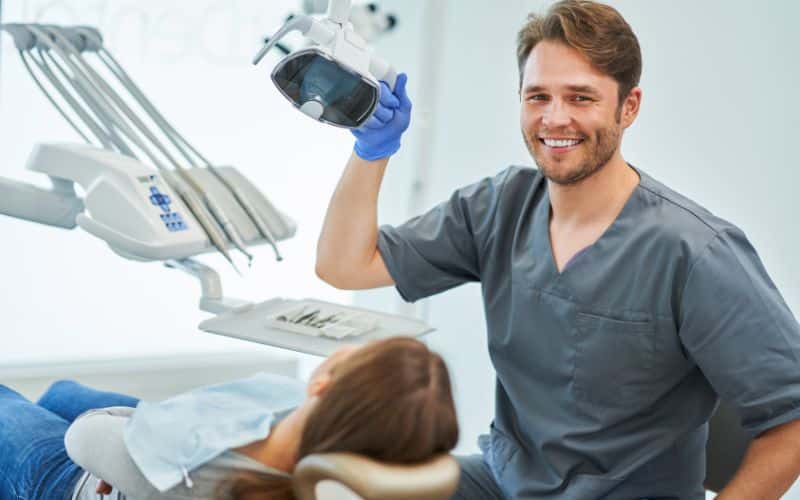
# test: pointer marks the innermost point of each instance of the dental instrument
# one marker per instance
(335, 81)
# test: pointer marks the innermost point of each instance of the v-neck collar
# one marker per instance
(542, 227)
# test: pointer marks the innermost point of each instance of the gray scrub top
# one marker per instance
(607, 372)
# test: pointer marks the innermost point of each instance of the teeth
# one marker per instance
(561, 143)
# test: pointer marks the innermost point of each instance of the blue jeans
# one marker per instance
(33, 462)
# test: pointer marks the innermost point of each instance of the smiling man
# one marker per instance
(618, 311)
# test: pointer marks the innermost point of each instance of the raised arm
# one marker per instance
(347, 251)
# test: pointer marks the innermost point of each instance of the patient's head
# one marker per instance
(389, 400)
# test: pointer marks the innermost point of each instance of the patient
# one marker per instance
(389, 400)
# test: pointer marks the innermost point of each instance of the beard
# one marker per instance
(597, 151)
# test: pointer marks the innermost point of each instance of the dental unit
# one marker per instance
(151, 196)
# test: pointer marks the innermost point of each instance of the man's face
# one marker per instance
(570, 117)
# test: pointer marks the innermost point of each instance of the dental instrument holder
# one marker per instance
(336, 40)
(132, 208)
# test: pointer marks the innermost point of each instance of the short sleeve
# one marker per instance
(442, 248)
(740, 332)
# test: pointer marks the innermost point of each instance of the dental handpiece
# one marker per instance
(218, 214)
(251, 212)
(197, 209)
(230, 230)
(260, 224)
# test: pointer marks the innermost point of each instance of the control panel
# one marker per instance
(172, 220)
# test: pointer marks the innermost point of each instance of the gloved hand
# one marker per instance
(379, 137)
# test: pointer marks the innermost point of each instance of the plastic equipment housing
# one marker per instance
(134, 210)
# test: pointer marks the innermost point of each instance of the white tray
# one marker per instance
(253, 323)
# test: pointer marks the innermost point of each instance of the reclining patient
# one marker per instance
(389, 400)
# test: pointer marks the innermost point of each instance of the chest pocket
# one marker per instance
(614, 361)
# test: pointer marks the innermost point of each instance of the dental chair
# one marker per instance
(345, 476)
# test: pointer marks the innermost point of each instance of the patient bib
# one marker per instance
(169, 439)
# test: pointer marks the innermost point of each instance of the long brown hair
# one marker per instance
(391, 401)
(596, 30)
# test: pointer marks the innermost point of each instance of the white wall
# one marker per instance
(719, 123)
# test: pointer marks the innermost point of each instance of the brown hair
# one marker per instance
(390, 401)
(596, 30)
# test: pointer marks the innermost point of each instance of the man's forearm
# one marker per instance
(770, 466)
(348, 241)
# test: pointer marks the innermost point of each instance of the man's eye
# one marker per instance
(582, 98)
(537, 97)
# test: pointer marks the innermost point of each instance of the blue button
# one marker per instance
(165, 208)
(166, 199)
(153, 189)
(154, 200)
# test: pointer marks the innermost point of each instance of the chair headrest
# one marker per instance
(435, 479)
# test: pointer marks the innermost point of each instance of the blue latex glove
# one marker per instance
(379, 137)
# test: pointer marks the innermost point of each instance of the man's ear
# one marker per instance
(630, 107)
(319, 385)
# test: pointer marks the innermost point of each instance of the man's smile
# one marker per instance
(560, 145)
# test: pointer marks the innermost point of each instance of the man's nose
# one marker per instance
(555, 115)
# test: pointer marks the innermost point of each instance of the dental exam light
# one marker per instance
(335, 81)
